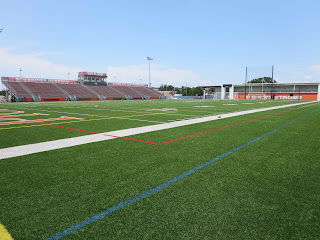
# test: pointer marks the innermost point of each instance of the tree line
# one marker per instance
(262, 80)
(185, 91)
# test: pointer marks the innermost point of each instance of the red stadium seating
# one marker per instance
(61, 92)
(147, 91)
(77, 90)
(106, 91)
(18, 90)
(45, 90)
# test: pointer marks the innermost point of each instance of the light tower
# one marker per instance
(149, 59)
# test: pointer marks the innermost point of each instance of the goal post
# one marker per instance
(259, 82)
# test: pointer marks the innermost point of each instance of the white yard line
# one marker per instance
(34, 109)
(102, 116)
(139, 120)
(75, 141)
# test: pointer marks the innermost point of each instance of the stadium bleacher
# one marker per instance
(40, 91)
(45, 90)
(76, 90)
(106, 91)
(17, 90)
(128, 91)
(147, 91)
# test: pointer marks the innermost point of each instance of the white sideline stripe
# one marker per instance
(75, 141)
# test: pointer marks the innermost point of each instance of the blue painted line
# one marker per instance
(162, 186)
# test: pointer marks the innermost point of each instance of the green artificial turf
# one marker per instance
(109, 116)
(267, 190)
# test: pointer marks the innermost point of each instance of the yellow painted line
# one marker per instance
(21, 127)
(84, 120)
(4, 235)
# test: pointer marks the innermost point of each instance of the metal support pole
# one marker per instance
(149, 59)
(149, 75)
(245, 84)
(272, 83)
(186, 89)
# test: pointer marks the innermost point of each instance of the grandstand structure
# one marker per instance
(277, 91)
(90, 86)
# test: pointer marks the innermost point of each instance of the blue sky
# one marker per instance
(192, 42)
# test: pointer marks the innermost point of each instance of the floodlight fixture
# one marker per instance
(149, 59)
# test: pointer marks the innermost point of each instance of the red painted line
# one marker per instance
(174, 140)
(235, 124)
(75, 129)
(133, 139)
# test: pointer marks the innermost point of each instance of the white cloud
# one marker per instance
(308, 77)
(33, 65)
(316, 68)
(297, 74)
(159, 75)
(40, 54)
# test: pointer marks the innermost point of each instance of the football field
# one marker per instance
(160, 169)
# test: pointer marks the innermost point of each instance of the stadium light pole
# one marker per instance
(186, 89)
(68, 76)
(149, 59)
(245, 84)
(20, 72)
(272, 83)
(1, 81)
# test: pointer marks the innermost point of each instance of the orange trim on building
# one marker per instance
(52, 99)
(279, 96)
(116, 98)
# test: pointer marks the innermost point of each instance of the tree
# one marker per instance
(170, 88)
(166, 87)
(186, 91)
(262, 79)
(196, 91)
(162, 87)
